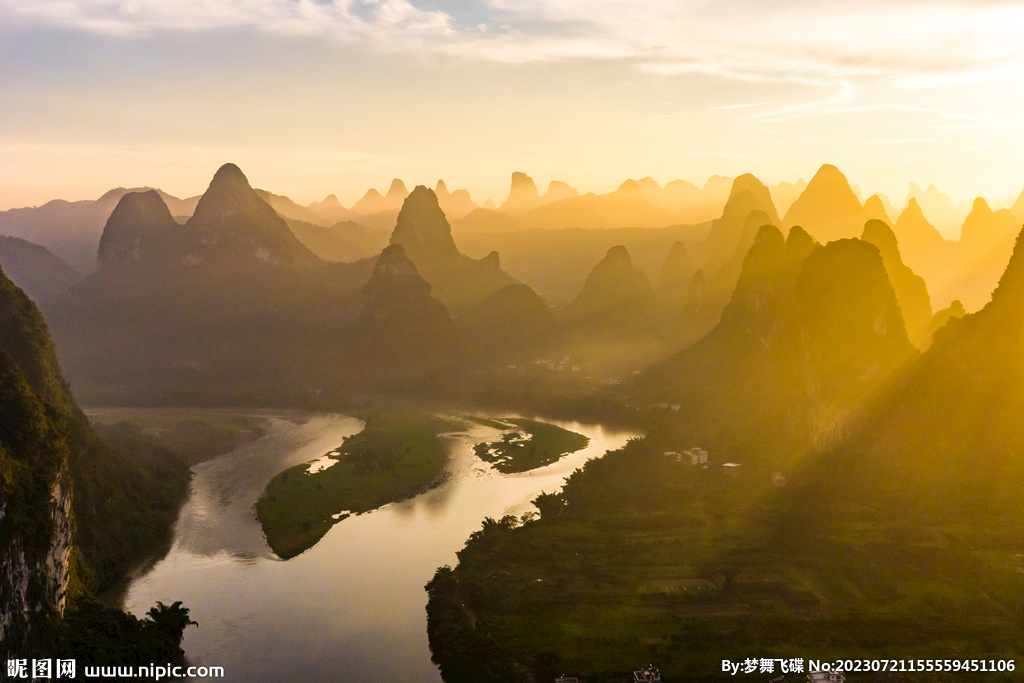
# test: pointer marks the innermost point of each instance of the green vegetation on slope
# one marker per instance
(395, 456)
(192, 435)
(542, 445)
(654, 560)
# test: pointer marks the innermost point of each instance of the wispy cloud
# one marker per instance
(905, 141)
(742, 106)
(343, 19)
(924, 43)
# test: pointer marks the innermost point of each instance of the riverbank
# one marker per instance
(652, 559)
(395, 456)
(527, 444)
(351, 608)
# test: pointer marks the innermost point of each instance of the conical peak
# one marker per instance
(394, 260)
(747, 181)
(770, 238)
(980, 206)
(142, 206)
(678, 251)
(829, 174)
(229, 177)
(881, 235)
(764, 257)
(630, 187)
(395, 273)
(441, 188)
(799, 243)
(649, 184)
(397, 190)
(617, 256)
(912, 215)
(229, 185)
(421, 196)
(874, 208)
(829, 180)
(746, 188)
(372, 193)
(136, 216)
(423, 229)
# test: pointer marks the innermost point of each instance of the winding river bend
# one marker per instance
(351, 608)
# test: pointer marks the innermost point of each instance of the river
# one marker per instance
(352, 608)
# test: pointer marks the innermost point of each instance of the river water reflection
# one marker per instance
(351, 608)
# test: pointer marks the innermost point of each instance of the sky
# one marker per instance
(312, 97)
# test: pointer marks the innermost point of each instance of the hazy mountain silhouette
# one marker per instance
(485, 221)
(35, 269)
(939, 320)
(403, 336)
(455, 204)
(330, 210)
(938, 208)
(522, 195)
(233, 221)
(687, 202)
(674, 277)
(346, 241)
(727, 232)
(634, 204)
(370, 203)
(426, 236)
(945, 434)
(828, 209)
(986, 242)
(808, 332)
(874, 209)
(289, 209)
(555, 263)
(785, 193)
(627, 206)
(911, 291)
(731, 237)
(373, 202)
(509, 324)
(71, 230)
(920, 243)
(230, 297)
(141, 228)
(1018, 207)
(558, 190)
(616, 297)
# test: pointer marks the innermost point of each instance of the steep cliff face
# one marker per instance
(33, 581)
(54, 469)
(35, 508)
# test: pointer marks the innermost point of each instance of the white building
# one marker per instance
(698, 456)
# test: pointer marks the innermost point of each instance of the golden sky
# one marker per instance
(315, 97)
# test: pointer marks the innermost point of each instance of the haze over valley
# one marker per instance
(502, 342)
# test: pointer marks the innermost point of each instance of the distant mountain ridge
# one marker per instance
(71, 230)
(808, 332)
(35, 269)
